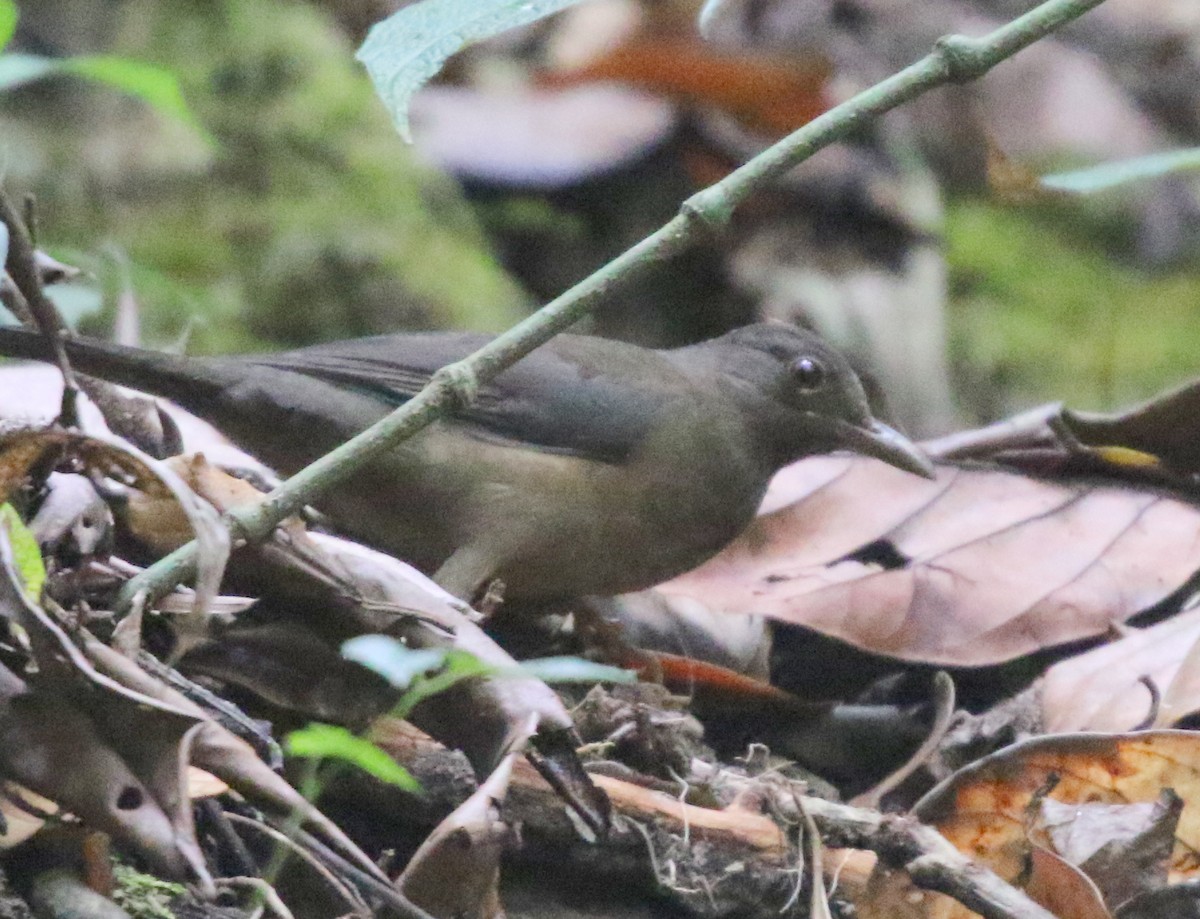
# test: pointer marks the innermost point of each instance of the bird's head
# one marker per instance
(803, 397)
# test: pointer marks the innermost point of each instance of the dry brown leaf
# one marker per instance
(977, 567)
(1013, 182)
(1165, 426)
(1153, 443)
(456, 870)
(294, 670)
(201, 784)
(1062, 888)
(127, 753)
(18, 814)
(987, 808)
(1104, 689)
(105, 455)
(158, 520)
(217, 749)
(771, 93)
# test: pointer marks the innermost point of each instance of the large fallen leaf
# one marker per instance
(977, 567)
(1164, 426)
(1159, 435)
(774, 94)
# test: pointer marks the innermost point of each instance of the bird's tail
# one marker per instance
(193, 382)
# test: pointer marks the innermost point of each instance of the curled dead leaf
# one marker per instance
(456, 870)
(127, 753)
(22, 813)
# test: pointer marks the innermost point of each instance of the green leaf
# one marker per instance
(8, 21)
(395, 662)
(1111, 175)
(403, 51)
(154, 85)
(407, 668)
(460, 666)
(575, 670)
(27, 554)
(19, 69)
(327, 741)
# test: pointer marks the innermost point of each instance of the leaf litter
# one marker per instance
(984, 566)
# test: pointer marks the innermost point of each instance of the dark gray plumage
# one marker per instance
(590, 467)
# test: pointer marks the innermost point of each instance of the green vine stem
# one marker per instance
(954, 59)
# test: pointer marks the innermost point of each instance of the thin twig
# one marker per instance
(349, 894)
(225, 713)
(954, 59)
(22, 267)
(261, 890)
(217, 822)
(30, 217)
(943, 701)
(393, 898)
(818, 904)
(14, 300)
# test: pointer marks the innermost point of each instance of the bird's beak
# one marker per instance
(878, 440)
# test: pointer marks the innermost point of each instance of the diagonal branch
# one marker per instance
(954, 59)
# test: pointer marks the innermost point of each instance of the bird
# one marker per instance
(591, 467)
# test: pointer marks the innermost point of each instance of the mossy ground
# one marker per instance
(142, 895)
(1043, 309)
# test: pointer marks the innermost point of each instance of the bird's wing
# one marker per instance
(576, 396)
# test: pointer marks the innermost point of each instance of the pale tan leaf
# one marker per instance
(977, 567)
(18, 820)
(1062, 888)
(1103, 690)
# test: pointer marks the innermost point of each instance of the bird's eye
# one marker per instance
(808, 373)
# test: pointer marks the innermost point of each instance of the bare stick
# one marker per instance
(22, 267)
(923, 853)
